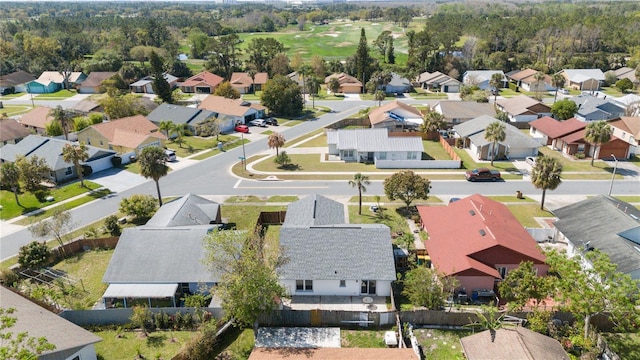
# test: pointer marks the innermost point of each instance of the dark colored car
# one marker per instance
(242, 128)
(271, 121)
(483, 174)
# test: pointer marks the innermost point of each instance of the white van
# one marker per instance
(170, 155)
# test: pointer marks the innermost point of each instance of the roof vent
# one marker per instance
(473, 213)
(482, 232)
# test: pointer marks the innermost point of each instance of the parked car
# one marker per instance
(170, 155)
(242, 128)
(483, 174)
(271, 121)
(564, 91)
(374, 208)
(258, 122)
(531, 160)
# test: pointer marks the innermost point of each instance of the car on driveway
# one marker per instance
(483, 174)
(242, 129)
(531, 160)
(271, 121)
(258, 122)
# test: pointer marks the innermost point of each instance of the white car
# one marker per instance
(258, 122)
(531, 160)
(564, 91)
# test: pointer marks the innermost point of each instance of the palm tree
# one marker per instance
(597, 133)
(10, 177)
(180, 130)
(166, 126)
(314, 87)
(378, 96)
(539, 78)
(432, 122)
(557, 80)
(275, 140)
(546, 175)
(62, 116)
(304, 71)
(359, 181)
(495, 132)
(76, 154)
(152, 165)
(252, 74)
(496, 83)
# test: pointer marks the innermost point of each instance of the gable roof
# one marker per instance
(188, 210)
(629, 124)
(337, 252)
(96, 78)
(86, 106)
(398, 80)
(436, 78)
(589, 104)
(16, 78)
(581, 75)
(129, 131)
(521, 74)
(395, 107)
(343, 79)
(460, 232)
(478, 76)
(372, 140)
(67, 337)
(56, 77)
(37, 117)
(314, 210)
(178, 114)
(10, 129)
(475, 128)
(608, 220)
(522, 104)
(206, 77)
(243, 78)
(512, 343)
(222, 105)
(177, 256)
(555, 128)
(464, 109)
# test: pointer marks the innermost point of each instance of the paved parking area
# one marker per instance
(117, 180)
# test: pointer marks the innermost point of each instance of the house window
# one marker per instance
(347, 154)
(502, 271)
(382, 156)
(101, 142)
(343, 283)
(88, 141)
(110, 147)
(624, 134)
(304, 285)
(580, 147)
(368, 287)
(68, 171)
(412, 155)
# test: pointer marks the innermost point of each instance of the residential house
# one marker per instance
(583, 79)
(16, 81)
(372, 145)
(177, 264)
(627, 128)
(177, 114)
(482, 78)
(626, 73)
(231, 112)
(11, 132)
(398, 85)
(455, 112)
(126, 136)
(438, 81)
(515, 146)
(523, 108)
(604, 223)
(575, 143)
(348, 83)
(478, 241)
(298, 79)
(52, 81)
(202, 83)
(526, 80)
(145, 85)
(395, 116)
(549, 131)
(93, 83)
(70, 340)
(50, 150)
(512, 343)
(87, 106)
(328, 257)
(593, 108)
(631, 103)
(243, 82)
(37, 119)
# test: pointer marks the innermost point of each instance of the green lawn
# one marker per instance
(525, 213)
(199, 144)
(282, 198)
(577, 165)
(245, 216)
(291, 142)
(29, 202)
(428, 95)
(243, 199)
(58, 95)
(227, 146)
(68, 205)
(435, 150)
(12, 96)
(320, 141)
(385, 200)
(12, 110)
(362, 338)
(391, 217)
(158, 344)
(441, 345)
(614, 91)
(510, 198)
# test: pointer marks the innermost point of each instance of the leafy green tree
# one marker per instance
(10, 178)
(57, 226)
(120, 106)
(262, 50)
(33, 171)
(153, 165)
(53, 128)
(63, 117)
(379, 95)
(597, 133)
(283, 159)
(80, 122)
(209, 127)
(522, 284)
(359, 181)
(139, 206)
(226, 90)
(558, 81)
(546, 175)
(389, 52)
(160, 85)
(96, 118)
(34, 255)
(19, 346)
(111, 222)
(406, 186)
(76, 154)
(564, 109)
(495, 132)
(275, 141)
(141, 318)
(423, 286)
(282, 96)
(334, 85)
(599, 288)
(362, 60)
(624, 84)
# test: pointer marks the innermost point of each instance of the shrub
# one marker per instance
(196, 300)
(579, 155)
(112, 226)
(8, 277)
(35, 255)
(41, 195)
(139, 206)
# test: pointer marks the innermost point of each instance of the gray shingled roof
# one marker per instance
(372, 140)
(186, 211)
(160, 255)
(314, 210)
(39, 322)
(474, 126)
(465, 109)
(512, 343)
(49, 149)
(340, 252)
(588, 104)
(601, 221)
(178, 114)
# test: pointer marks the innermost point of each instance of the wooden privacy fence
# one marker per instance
(447, 147)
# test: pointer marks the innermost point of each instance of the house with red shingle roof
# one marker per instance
(232, 111)
(627, 128)
(478, 241)
(523, 108)
(93, 83)
(202, 83)
(527, 81)
(126, 136)
(548, 130)
(12, 132)
(37, 119)
(395, 116)
(348, 84)
(245, 84)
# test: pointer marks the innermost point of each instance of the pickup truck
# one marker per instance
(483, 174)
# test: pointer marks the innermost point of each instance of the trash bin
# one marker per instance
(519, 194)
(220, 145)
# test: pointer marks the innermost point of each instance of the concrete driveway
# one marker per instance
(117, 180)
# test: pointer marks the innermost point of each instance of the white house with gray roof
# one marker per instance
(482, 78)
(515, 146)
(180, 115)
(593, 108)
(371, 145)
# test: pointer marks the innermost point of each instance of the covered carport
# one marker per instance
(128, 295)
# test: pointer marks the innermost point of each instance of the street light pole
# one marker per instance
(613, 176)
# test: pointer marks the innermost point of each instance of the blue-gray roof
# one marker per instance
(186, 211)
(474, 129)
(339, 252)
(372, 140)
(596, 108)
(314, 210)
(474, 126)
(160, 255)
(179, 114)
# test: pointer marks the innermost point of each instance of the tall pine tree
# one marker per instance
(160, 85)
(364, 63)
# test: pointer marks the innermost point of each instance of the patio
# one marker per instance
(337, 303)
